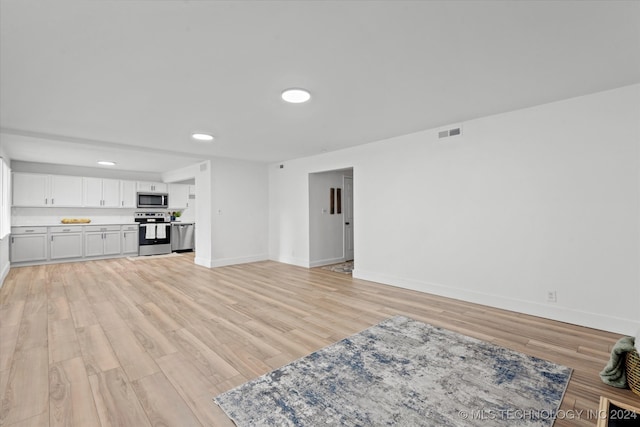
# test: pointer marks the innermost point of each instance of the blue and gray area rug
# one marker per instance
(405, 373)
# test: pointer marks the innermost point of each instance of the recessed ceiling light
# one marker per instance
(296, 95)
(106, 163)
(202, 136)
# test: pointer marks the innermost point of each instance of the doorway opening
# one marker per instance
(331, 225)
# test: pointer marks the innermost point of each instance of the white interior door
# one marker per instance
(348, 217)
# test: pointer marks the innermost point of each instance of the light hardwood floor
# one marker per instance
(151, 342)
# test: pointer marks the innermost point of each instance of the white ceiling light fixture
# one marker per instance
(296, 95)
(106, 163)
(202, 136)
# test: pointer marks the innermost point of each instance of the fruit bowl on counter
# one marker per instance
(75, 220)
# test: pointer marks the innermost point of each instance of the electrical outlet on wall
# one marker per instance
(552, 296)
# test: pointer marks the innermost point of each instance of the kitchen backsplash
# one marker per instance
(45, 216)
(52, 216)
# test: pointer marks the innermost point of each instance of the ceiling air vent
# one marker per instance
(450, 132)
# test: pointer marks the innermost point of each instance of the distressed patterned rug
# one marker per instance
(345, 267)
(406, 373)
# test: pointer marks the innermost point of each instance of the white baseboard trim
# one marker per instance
(238, 260)
(4, 273)
(292, 261)
(204, 262)
(322, 262)
(555, 312)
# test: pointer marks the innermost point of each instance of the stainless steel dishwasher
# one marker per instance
(182, 236)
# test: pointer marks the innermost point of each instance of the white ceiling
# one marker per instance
(129, 80)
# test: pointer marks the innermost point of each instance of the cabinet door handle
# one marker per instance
(52, 201)
(46, 201)
(13, 240)
(52, 238)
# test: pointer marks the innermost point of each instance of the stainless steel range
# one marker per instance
(155, 233)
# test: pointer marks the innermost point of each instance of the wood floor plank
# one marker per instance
(26, 392)
(16, 285)
(162, 403)
(33, 333)
(116, 402)
(153, 340)
(59, 308)
(186, 378)
(39, 420)
(134, 359)
(206, 359)
(63, 343)
(96, 350)
(71, 401)
(8, 339)
(121, 342)
(82, 314)
(159, 317)
(194, 388)
(11, 313)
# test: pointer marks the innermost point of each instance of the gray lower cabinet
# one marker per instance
(102, 240)
(130, 239)
(65, 242)
(28, 244)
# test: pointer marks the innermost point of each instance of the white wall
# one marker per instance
(239, 226)
(546, 198)
(97, 172)
(232, 214)
(326, 231)
(204, 235)
(289, 204)
(4, 243)
(4, 258)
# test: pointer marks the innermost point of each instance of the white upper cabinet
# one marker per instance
(111, 193)
(42, 190)
(92, 190)
(66, 190)
(152, 187)
(128, 194)
(98, 192)
(31, 189)
(178, 196)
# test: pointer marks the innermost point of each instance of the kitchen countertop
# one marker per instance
(58, 224)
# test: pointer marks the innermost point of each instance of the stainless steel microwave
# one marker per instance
(153, 200)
